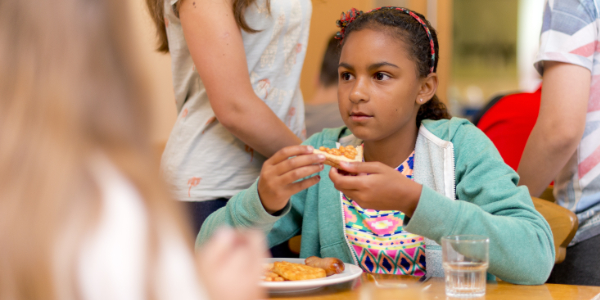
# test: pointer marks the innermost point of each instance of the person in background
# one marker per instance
(83, 211)
(564, 144)
(236, 72)
(424, 176)
(322, 111)
(508, 120)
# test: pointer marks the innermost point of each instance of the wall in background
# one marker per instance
(322, 27)
(484, 61)
(531, 15)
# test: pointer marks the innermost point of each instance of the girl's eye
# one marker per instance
(346, 76)
(381, 76)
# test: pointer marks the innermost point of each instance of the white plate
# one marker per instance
(350, 272)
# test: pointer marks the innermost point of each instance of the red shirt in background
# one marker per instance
(508, 123)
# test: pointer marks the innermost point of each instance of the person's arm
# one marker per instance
(559, 127)
(215, 43)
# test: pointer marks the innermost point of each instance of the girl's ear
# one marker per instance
(429, 86)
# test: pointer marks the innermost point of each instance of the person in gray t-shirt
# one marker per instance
(236, 70)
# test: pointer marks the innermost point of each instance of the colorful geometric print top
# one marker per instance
(378, 239)
(571, 34)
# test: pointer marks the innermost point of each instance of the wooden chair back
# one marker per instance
(294, 244)
(548, 194)
(563, 224)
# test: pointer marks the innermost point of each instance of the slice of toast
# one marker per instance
(334, 160)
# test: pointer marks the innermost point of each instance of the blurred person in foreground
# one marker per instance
(83, 213)
(322, 111)
(564, 144)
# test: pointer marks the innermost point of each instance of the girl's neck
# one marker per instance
(393, 150)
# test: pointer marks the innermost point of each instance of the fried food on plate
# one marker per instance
(270, 276)
(292, 271)
(334, 156)
(331, 265)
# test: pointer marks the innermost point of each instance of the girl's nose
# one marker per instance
(359, 91)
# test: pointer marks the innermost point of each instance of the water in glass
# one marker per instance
(465, 279)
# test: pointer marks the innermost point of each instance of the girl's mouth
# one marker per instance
(359, 116)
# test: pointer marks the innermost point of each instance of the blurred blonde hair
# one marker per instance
(69, 89)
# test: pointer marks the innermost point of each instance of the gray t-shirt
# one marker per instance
(202, 159)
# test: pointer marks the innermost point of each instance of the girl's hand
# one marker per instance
(279, 174)
(233, 258)
(377, 186)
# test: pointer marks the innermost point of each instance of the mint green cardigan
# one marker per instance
(467, 189)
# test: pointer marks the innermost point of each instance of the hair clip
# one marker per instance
(345, 19)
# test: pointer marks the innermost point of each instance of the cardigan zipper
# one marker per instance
(450, 148)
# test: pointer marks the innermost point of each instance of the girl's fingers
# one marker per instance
(237, 260)
(304, 184)
(299, 173)
(258, 243)
(362, 167)
(257, 250)
(255, 241)
(252, 246)
(343, 182)
(298, 162)
(287, 152)
(219, 246)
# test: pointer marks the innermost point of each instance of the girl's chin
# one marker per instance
(362, 133)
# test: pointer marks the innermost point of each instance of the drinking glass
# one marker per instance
(465, 259)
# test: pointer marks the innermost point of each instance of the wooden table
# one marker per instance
(368, 287)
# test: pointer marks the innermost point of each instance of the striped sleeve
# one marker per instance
(569, 33)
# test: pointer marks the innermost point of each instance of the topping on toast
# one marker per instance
(334, 156)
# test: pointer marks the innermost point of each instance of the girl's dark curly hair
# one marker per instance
(412, 33)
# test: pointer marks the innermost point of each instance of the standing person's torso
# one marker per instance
(570, 34)
(202, 159)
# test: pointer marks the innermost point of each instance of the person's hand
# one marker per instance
(279, 174)
(231, 264)
(374, 185)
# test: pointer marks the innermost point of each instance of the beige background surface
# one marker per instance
(325, 12)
